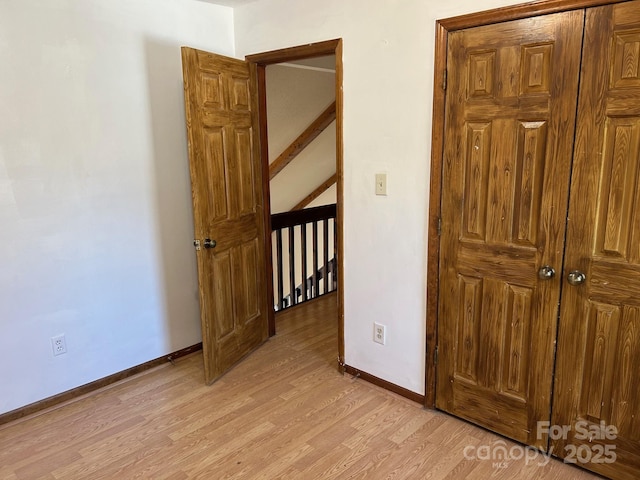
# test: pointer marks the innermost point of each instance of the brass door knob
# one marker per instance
(576, 277)
(546, 272)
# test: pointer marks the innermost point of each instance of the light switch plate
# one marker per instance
(381, 183)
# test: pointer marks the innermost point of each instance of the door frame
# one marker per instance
(262, 60)
(443, 27)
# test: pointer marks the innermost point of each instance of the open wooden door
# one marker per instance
(224, 159)
(510, 113)
(597, 386)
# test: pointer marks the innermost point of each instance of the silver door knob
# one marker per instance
(208, 243)
(576, 277)
(546, 272)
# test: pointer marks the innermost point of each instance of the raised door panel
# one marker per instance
(598, 359)
(509, 114)
(213, 191)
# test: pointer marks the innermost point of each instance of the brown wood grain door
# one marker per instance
(598, 359)
(224, 159)
(510, 116)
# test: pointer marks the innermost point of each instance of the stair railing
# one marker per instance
(304, 280)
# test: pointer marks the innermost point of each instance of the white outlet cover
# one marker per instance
(379, 333)
(59, 345)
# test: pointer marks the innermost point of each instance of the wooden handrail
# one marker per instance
(304, 139)
(298, 217)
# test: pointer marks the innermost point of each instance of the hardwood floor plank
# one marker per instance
(404, 432)
(285, 412)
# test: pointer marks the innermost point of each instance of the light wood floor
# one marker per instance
(285, 412)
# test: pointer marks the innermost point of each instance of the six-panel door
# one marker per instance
(597, 387)
(224, 160)
(506, 172)
(510, 113)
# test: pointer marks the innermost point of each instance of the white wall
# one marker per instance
(388, 86)
(95, 213)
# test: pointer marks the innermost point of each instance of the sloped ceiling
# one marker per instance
(295, 98)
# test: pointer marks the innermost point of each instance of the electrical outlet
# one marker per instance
(59, 344)
(379, 333)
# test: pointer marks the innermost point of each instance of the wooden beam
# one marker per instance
(304, 139)
(316, 193)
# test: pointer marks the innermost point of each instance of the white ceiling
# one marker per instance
(328, 62)
(229, 3)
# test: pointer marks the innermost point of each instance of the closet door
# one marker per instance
(598, 359)
(510, 116)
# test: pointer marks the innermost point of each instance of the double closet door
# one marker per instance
(539, 308)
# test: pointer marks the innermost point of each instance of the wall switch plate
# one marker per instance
(381, 183)
(59, 344)
(379, 333)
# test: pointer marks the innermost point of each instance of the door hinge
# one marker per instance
(444, 80)
(435, 356)
(439, 226)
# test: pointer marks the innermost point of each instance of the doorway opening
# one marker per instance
(306, 56)
(302, 171)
